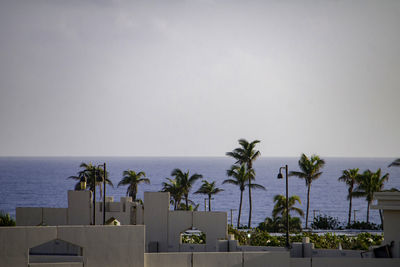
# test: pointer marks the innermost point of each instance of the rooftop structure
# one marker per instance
(150, 236)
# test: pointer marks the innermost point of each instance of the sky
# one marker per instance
(189, 78)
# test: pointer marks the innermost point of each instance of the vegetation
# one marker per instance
(325, 222)
(133, 179)
(199, 238)
(6, 220)
(310, 171)
(364, 226)
(175, 191)
(246, 154)
(89, 173)
(350, 177)
(179, 187)
(241, 176)
(185, 182)
(260, 237)
(278, 224)
(368, 184)
(395, 163)
(208, 189)
(280, 206)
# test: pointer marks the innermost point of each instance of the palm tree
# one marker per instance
(310, 171)
(241, 176)
(350, 177)
(280, 206)
(208, 189)
(369, 183)
(395, 163)
(133, 179)
(174, 190)
(88, 173)
(185, 181)
(246, 154)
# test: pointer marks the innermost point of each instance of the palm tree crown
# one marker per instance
(185, 181)
(350, 177)
(208, 189)
(175, 191)
(369, 183)
(310, 171)
(246, 154)
(133, 179)
(280, 206)
(88, 173)
(395, 163)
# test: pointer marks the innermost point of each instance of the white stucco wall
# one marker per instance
(156, 208)
(103, 246)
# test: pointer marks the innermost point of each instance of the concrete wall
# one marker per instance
(217, 259)
(79, 207)
(64, 264)
(16, 241)
(222, 259)
(257, 259)
(156, 208)
(391, 226)
(41, 216)
(178, 222)
(107, 245)
(353, 262)
(213, 224)
(168, 259)
(103, 246)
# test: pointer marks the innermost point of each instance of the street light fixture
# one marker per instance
(83, 183)
(280, 176)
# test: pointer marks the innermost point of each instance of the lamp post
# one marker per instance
(280, 176)
(104, 190)
(94, 193)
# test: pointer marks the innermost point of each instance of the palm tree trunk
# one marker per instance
(250, 165)
(187, 202)
(368, 212)
(240, 208)
(250, 204)
(209, 202)
(308, 203)
(350, 204)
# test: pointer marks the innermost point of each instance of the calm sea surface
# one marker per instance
(42, 182)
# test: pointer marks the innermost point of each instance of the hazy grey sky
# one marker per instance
(189, 78)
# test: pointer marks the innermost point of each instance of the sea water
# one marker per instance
(43, 182)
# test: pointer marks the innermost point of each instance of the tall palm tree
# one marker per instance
(185, 181)
(175, 191)
(395, 163)
(280, 206)
(368, 184)
(208, 189)
(88, 173)
(133, 179)
(310, 171)
(350, 177)
(246, 154)
(240, 177)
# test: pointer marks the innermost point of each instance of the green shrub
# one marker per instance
(194, 238)
(364, 226)
(325, 222)
(278, 225)
(6, 220)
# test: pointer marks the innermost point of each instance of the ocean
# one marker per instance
(42, 182)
